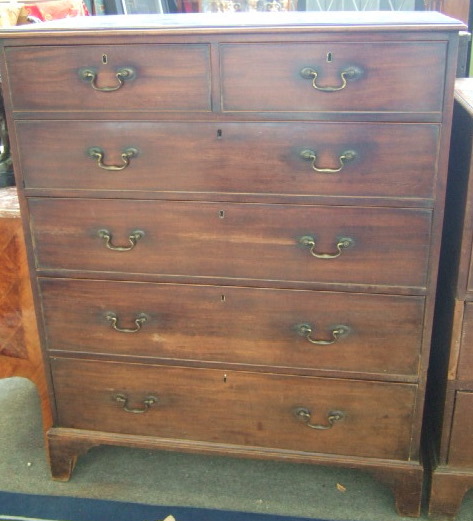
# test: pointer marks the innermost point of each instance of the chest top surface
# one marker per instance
(306, 22)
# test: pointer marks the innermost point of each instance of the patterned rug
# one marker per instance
(27, 507)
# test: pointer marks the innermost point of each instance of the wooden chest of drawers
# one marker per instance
(452, 355)
(234, 227)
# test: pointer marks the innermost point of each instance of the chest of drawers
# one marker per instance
(452, 355)
(233, 228)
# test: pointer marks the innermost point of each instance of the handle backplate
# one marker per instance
(140, 319)
(123, 74)
(310, 242)
(350, 73)
(133, 238)
(98, 154)
(305, 330)
(343, 158)
(303, 414)
(123, 400)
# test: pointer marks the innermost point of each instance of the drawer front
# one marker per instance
(260, 410)
(380, 77)
(259, 327)
(53, 78)
(461, 449)
(386, 160)
(465, 363)
(235, 241)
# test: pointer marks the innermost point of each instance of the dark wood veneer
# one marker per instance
(258, 241)
(203, 157)
(240, 408)
(220, 113)
(233, 325)
(59, 86)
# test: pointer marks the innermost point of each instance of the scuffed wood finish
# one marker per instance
(390, 79)
(452, 363)
(20, 353)
(234, 241)
(399, 476)
(208, 304)
(241, 408)
(59, 87)
(203, 157)
(256, 328)
(258, 24)
(63, 453)
(407, 486)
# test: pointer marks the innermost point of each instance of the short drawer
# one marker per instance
(379, 334)
(333, 77)
(387, 160)
(461, 450)
(233, 241)
(240, 408)
(76, 78)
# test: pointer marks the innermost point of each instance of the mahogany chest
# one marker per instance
(233, 227)
(452, 355)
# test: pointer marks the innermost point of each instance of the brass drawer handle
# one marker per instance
(304, 415)
(345, 157)
(123, 74)
(342, 243)
(140, 319)
(98, 154)
(350, 73)
(148, 402)
(133, 238)
(337, 332)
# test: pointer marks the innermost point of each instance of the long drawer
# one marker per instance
(387, 160)
(256, 327)
(147, 77)
(362, 77)
(262, 410)
(235, 241)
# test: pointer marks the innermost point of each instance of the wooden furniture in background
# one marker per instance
(20, 353)
(235, 228)
(452, 356)
(459, 9)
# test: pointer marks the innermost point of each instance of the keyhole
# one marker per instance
(222, 298)
(219, 133)
(104, 59)
(221, 214)
(224, 378)
(329, 57)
